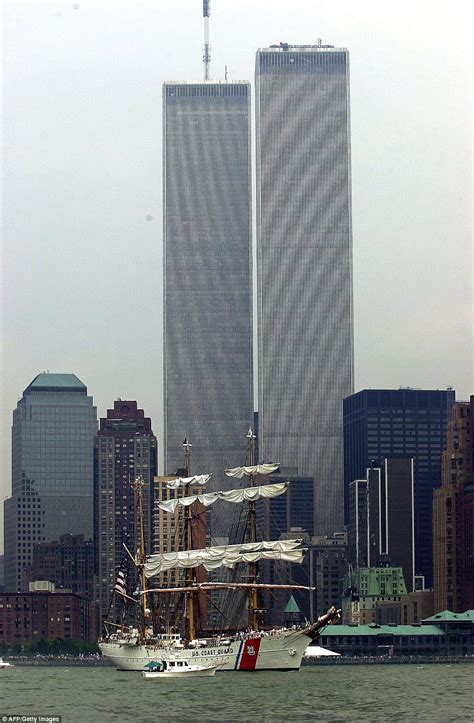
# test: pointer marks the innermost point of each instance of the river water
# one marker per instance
(327, 693)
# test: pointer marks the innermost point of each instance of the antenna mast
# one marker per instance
(206, 51)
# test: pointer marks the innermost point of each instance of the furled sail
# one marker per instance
(247, 493)
(227, 586)
(225, 556)
(198, 479)
(239, 472)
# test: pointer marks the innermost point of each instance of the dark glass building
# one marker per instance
(381, 423)
(304, 264)
(53, 432)
(293, 510)
(125, 449)
(291, 515)
(208, 396)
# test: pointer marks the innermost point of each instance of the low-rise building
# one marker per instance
(443, 635)
(45, 615)
(410, 609)
(372, 585)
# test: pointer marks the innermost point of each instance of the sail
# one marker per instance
(198, 479)
(247, 493)
(228, 586)
(209, 563)
(225, 556)
(239, 472)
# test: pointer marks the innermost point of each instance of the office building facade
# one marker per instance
(290, 516)
(293, 510)
(381, 524)
(382, 423)
(125, 450)
(207, 275)
(52, 469)
(68, 563)
(304, 264)
(452, 525)
(364, 530)
(31, 617)
(328, 556)
(466, 525)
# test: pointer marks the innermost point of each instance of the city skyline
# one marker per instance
(82, 174)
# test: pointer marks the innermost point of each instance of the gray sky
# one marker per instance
(81, 251)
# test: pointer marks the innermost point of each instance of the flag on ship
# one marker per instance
(120, 586)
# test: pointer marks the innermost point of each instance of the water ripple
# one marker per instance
(391, 693)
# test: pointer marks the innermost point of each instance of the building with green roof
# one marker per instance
(292, 607)
(46, 382)
(444, 634)
(448, 617)
(53, 431)
(373, 585)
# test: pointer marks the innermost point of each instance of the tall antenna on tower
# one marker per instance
(206, 52)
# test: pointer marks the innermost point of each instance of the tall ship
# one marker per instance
(249, 647)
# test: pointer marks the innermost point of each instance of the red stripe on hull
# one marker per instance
(248, 661)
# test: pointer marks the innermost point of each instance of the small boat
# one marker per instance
(4, 664)
(177, 669)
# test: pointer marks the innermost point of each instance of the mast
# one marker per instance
(252, 537)
(188, 535)
(138, 488)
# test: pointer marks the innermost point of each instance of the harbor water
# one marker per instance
(327, 693)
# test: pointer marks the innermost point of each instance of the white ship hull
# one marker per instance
(277, 651)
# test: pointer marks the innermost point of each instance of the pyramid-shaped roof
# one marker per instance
(292, 606)
(56, 382)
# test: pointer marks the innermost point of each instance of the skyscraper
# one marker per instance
(125, 449)
(466, 525)
(381, 423)
(381, 518)
(52, 469)
(452, 529)
(207, 274)
(304, 264)
(364, 529)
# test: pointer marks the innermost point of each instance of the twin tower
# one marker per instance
(303, 325)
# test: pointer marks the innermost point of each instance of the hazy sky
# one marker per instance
(81, 251)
